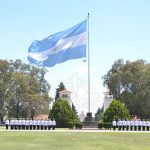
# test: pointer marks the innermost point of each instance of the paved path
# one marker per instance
(69, 130)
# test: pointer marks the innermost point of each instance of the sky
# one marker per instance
(117, 29)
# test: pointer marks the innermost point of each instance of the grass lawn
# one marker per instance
(71, 140)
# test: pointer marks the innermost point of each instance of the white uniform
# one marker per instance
(135, 125)
(131, 125)
(123, 124)
(12, 124)
(139, 125)
(23, 124)
(45, 124)
(7, 124)
(42, 124)
(144, 125)
(53, 124)
(49, 124)
(147, 125)
(20, 124)
(128, 124)
(38, 124)
(31, 124)
(27, 124)
(114, 124)
(16, 124)
(34, 124)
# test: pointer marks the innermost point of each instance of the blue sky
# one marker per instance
(118, 29)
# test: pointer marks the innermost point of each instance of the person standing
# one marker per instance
(49, 124)
(127, 125)
(34, 124)
(131, 125)
(12, 124)
(147, 125)
(53, 124)
(118, 124)
(123, 124)
(23, 124)
(139, 125)
(27, 124)
(114, 124)
(143, 124)
(46, 124)
(16, 124)
(30, 124)
(20, 124)
(42, 124)
(38, 124)
(135, 125)
(7, 124)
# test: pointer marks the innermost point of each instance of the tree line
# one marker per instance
(129, 82)
(23, 90)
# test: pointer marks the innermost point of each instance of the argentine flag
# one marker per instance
(59, 47)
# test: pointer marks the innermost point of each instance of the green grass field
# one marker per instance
(72, 140)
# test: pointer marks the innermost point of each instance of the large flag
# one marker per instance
(59, 47)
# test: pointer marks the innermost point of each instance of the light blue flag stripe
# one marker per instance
(59, 47)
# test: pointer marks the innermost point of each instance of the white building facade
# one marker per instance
(65, 94)
(107, 100)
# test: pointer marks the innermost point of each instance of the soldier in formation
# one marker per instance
(131, 125)
(23, 124)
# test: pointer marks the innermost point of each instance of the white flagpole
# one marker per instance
(88, 49)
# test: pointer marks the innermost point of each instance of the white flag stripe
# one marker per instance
(61, 45)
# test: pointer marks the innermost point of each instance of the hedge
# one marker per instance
(105, 125)
(77, 125)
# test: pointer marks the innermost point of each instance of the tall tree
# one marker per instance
(75, 111)
(116, 111)
(99, 114)
(129, 82)
(62, 113)
(5, 73)
(23, 90)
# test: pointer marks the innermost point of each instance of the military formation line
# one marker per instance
(131, 125)
(23, 124)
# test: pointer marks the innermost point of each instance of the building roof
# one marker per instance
(41, 117)
(65, 91)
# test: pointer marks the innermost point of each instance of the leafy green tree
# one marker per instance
(75, 112)
(5, 73)
(62, 112)
(116, 111)
(129, 82)
(23, 90)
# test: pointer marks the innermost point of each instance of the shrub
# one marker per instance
(105, 125)
(77, 125)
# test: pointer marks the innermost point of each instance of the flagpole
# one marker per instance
(88, 49)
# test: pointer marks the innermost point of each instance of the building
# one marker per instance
(65, 94)
(107, 100)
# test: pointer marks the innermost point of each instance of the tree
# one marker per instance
(75, 112)
(129, 82)
(23, 90)
(61, 112)
(5, 73)
(116, 111)
(61, 87)
(99, 114)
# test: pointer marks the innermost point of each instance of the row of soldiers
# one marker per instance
(132, 125)
(23, 124)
